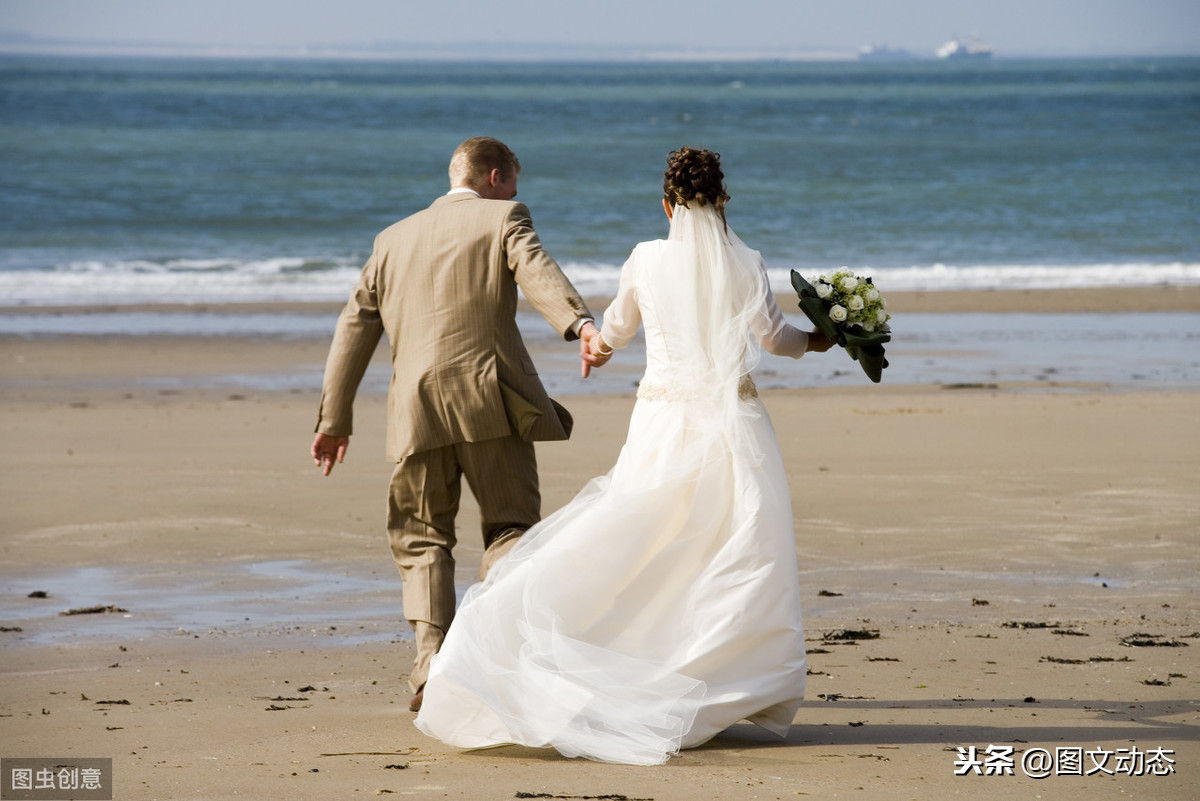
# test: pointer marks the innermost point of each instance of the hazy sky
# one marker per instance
(1012, 27)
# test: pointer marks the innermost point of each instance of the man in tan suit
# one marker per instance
(465, 399)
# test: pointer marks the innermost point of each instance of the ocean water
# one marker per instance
(150, 180)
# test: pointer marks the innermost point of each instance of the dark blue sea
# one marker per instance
(150, 180)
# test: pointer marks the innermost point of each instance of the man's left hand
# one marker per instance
(327, 449)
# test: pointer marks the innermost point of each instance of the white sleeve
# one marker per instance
(775, 334)
(622, 317)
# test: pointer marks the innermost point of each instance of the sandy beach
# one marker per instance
(982, 565)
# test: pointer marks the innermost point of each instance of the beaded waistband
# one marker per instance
(671, 391)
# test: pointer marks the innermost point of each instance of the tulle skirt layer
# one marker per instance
(656, 609)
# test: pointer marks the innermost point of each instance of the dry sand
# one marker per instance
(1002, 543)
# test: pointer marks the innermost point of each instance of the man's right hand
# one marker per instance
(591, 350)
(327, 449)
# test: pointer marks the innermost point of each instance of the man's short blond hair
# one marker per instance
(474, 160)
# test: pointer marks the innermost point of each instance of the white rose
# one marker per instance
(868, 326)
(848, 283)
(856, 303)
(881, 317)
(837, 313)
(872, 294)
(824, 290)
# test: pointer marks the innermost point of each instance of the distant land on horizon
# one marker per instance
(21, 43)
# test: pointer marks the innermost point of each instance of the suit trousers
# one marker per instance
(423, 502)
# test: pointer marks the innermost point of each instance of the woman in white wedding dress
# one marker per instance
(662, 604)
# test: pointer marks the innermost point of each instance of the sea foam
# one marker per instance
(330, 280)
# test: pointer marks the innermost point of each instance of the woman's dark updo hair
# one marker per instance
(695, 175)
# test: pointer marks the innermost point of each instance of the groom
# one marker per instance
(465, 399)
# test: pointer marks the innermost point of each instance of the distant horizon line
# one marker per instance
(15, 43)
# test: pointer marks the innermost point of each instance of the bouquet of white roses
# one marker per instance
(850, 310)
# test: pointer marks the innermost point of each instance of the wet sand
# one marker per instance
(1163, 298)
(980, 566)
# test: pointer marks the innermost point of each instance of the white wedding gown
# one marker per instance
(662, 604)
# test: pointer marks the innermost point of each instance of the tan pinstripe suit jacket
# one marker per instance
(443, 285)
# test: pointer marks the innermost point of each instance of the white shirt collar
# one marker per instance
(460, 190)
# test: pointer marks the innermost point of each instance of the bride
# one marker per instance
(662, 604)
